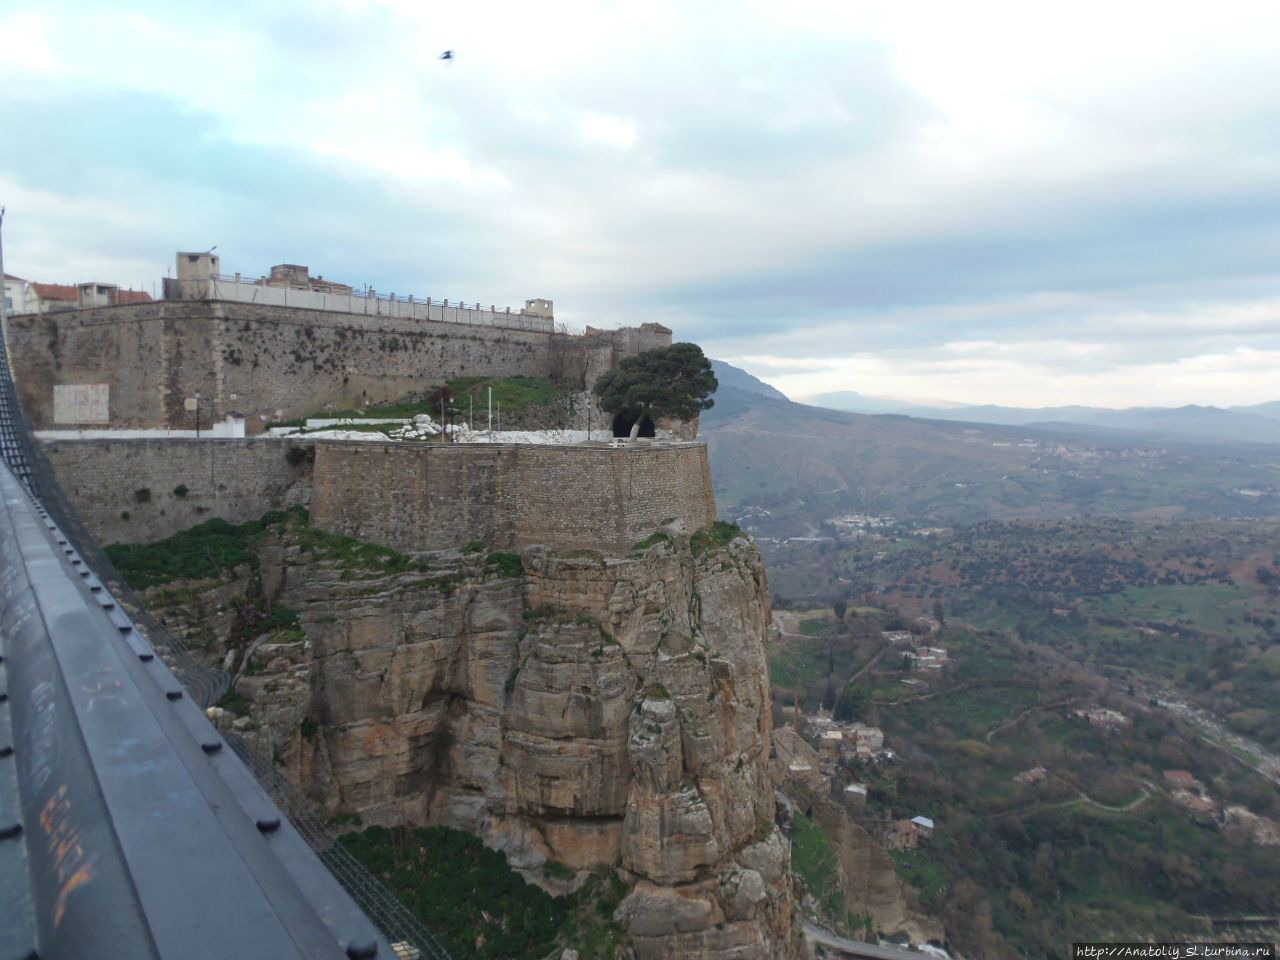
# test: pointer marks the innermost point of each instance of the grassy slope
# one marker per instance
(479, 907)
(516, 398)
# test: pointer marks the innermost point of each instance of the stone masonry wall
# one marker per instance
(266, 363)
(237, 480)
(262, 363)
(427, 497)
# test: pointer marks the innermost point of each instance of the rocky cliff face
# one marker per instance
(582, 709)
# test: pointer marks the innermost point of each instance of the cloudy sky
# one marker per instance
(1018, 203)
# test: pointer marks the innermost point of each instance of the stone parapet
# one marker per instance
(416, 497)
(408, 496)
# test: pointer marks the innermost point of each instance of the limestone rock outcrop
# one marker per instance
(591, 710)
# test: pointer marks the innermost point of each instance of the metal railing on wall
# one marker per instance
(353, 292)
(246, 291)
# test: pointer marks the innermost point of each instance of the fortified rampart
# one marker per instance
(404, 495)
(123, 490)
(178, 364)
(415, 497)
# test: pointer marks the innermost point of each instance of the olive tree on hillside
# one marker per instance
(674, 381)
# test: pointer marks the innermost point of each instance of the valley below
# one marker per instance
(1069, 644)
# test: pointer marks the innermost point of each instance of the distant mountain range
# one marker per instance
(730, 376)
(790, 467)
(1259, 423)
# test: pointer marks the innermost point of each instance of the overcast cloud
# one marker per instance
(979, 202)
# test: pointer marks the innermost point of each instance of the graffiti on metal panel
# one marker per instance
(71, 866)
(101, 690)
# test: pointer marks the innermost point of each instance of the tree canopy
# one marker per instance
(852, 704)
(674, 381)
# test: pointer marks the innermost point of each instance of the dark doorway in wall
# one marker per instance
(622, 426)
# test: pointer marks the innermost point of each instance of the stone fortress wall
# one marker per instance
(510, 496)
(404, 495)
(123, 490)
(160, 365)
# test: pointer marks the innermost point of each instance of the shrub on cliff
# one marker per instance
(202, 551)
(509, 563)
(469, 897)
(719, 534)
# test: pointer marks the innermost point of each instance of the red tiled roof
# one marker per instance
(132, 296)
(56, 291)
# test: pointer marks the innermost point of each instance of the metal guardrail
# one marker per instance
(371, 295)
